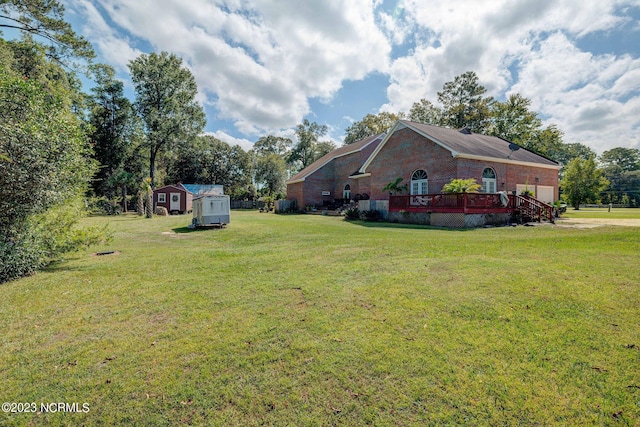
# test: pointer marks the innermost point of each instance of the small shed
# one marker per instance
(210, 210)
(175, 198)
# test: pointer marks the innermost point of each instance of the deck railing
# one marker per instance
(472, 203)
(450, 202)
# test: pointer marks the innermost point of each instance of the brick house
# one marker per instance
(426, 157)
(328, 180)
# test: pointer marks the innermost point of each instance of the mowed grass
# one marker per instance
(613, 213)
(312, 320)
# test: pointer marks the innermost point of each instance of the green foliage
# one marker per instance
(352, 213)
(59, 232)
(371, 124)
(395, 187)
(305, 151)
(45, 237)
(461, 186)
(463, 103)
(165, 101)
(582, 182)
(207, 160)
(44, 153)
(371, 215)
(271, 144)
(116, 133)
(424, 111)
(45, 20)
(621, 159)
(512, 120)
(270, 171)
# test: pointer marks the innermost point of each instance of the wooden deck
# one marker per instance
(473, 203)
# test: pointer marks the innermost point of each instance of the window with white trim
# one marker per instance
(489, 180)
(419, 183)
(346, 194)
(162, 198)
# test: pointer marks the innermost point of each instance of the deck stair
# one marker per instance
(529, 209)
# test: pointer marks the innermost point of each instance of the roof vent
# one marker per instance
(465, 130)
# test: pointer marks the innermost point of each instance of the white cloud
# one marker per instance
(115, 49)
(259, 62)
(245, 144)
(592, 98)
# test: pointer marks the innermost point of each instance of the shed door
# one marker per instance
(174, 202)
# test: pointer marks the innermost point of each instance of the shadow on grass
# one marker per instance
(371, 224)
(185, 230)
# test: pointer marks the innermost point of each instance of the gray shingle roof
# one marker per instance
(340, 151)
(475, 144)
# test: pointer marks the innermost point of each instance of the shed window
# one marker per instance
(162, 198)
(489, 180)
(419, 183)
(346, 194)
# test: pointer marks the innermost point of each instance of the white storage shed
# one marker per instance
(211, 210)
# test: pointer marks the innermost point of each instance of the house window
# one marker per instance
(489, 181)
(346, 194)
(162, 198)
(419, 182)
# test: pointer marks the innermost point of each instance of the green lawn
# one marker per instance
(614, 213)
(312, 320)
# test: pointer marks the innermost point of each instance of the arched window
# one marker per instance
(489, 180)
(419, 183)
(346, 194)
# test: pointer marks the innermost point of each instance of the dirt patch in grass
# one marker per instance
(597, 222)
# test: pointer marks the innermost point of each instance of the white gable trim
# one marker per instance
(507, 161)
(329, 161)
(361, 175)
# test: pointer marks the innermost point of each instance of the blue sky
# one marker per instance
(262, 66)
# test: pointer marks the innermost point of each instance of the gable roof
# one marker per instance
(338, 152)
(465, 144)
(177, 187)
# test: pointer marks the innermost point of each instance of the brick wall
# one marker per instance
(404, 153)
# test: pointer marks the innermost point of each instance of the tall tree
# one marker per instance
(463, 103)
(424, 111)
(207, 160)
(582, 182)
(304, 151)
(621, 158)
(115, 128)
(564, 153)
(271, 144)
(165, 100)
(371, 124)
(270, 172)
(512, 120)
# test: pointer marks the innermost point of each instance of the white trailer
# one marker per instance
(211, 210)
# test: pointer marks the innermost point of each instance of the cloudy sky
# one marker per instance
(262, 66)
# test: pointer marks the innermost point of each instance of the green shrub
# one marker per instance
(372, 215)
(352, 213)
(43, 238)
